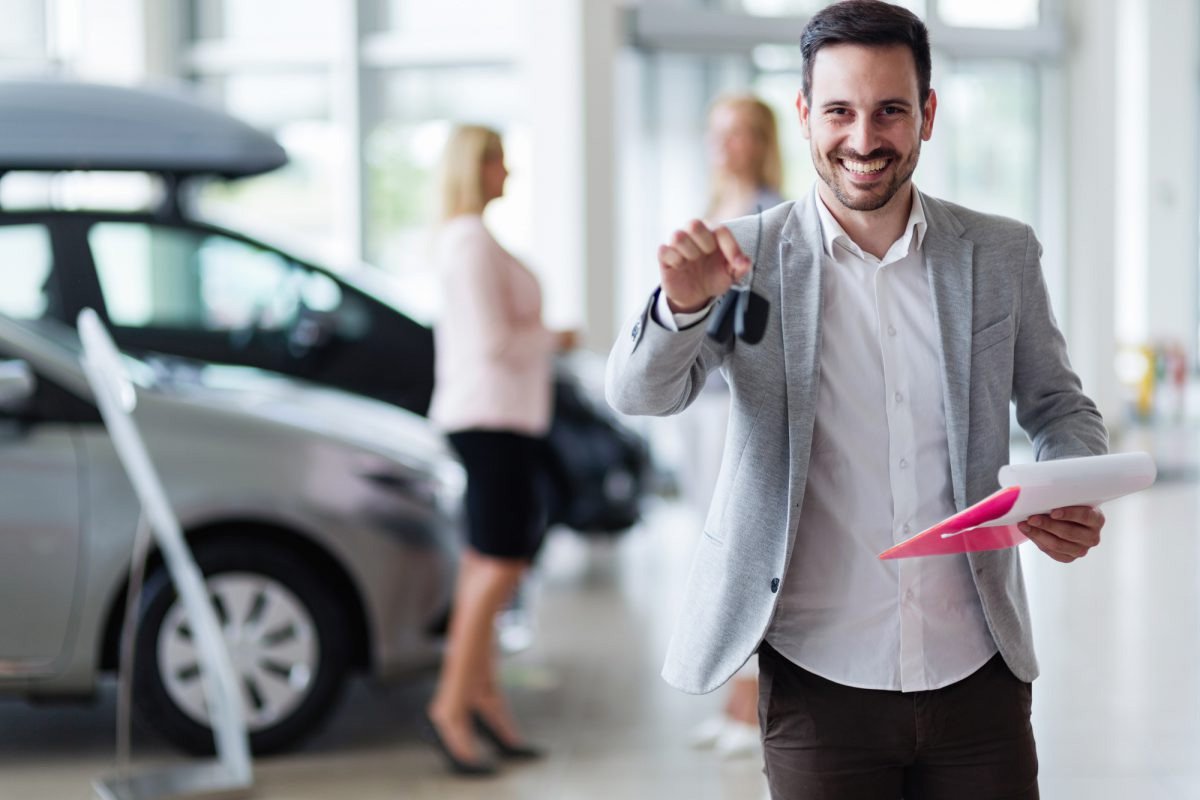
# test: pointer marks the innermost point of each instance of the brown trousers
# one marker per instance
(971, 740)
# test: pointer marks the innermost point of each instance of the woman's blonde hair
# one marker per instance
(769, 174)
(468, 147)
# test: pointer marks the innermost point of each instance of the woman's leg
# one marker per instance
(742, 702)
(490, 702)
(484, 584)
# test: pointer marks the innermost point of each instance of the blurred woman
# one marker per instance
(492, 395)
(743, 146)
(747, 174)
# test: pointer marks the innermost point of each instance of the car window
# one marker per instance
(156, 276)
(26, 259)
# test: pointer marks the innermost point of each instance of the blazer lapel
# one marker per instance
(948, 264)
(800, 257)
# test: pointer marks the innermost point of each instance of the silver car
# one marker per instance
(327, 526)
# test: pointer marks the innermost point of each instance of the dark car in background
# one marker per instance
(166, 281)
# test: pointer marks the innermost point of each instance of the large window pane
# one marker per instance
(780, 92)
(402, 156)
(781, 8)
(23, 33)
(499, 16)
(265, 20)
(23, 40)
(987, 127)
(300, 197)
(989, 14)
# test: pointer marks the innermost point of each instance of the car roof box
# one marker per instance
(48, 125)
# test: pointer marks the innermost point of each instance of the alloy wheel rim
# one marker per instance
(272, 643)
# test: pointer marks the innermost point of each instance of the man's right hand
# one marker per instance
(698, 265)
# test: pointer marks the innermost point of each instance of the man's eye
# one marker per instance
(892, 110)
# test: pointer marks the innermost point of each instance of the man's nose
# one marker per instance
(863, 136)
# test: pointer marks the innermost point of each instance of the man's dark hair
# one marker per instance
(867, 22)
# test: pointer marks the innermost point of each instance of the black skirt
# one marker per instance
(505, 509)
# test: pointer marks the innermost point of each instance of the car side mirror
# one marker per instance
(17, 385)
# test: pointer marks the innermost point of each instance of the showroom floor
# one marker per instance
(1117, 711)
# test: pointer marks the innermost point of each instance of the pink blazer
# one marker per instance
(492, 365)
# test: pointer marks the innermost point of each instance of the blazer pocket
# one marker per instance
(991, 334)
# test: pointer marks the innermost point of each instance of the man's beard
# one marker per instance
(868, 199)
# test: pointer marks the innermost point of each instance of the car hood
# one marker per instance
(280, 400)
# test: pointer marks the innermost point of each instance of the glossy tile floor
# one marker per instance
(1117, 711)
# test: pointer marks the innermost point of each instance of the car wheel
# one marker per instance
(286, 633)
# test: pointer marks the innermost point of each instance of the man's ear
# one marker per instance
(803, 110)
(927, 114)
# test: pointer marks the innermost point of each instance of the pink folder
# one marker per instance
(1026, 490)
(969, 525)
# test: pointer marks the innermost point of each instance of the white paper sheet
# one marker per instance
(1087, 481)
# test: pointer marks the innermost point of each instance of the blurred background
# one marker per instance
(1080, 117)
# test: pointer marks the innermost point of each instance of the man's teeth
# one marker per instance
(864, 167)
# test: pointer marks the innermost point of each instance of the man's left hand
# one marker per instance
(1065, 534)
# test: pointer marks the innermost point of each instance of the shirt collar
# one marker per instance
(911, 240)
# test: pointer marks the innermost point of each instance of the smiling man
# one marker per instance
(876, 403)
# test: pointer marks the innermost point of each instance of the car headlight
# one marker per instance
(438, 485)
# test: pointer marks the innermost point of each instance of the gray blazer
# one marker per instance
(999, 342)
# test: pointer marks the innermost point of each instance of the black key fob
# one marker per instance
(750, 322)
(721, 323)
(741, 312)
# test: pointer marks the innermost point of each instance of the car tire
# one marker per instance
(294, 650)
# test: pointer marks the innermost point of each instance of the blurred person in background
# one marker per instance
(492, 396)
(743, 147)
(747, 176)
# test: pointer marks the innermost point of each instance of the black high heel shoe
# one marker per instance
(459, 766)
(516, 752)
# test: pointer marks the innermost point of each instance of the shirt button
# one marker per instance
(904, 463)
(637, 328)
(899, 397)
(891, 330)
(774, 585)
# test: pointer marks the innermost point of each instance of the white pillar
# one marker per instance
(1156, 166)
(347, 80)
(162, 30)
(569, 57)
(1092, 111)
(1172, 167)
(1131, 166)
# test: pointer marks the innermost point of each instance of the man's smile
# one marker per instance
(865, 169)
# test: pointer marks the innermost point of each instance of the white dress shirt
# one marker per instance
(879, 471)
